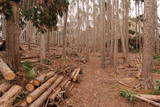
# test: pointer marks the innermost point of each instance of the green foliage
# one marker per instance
(1, 81)
(29, 71)
(128, 94)
(156, 71)
(45, 16)
(19, 97)
(156, 58)
(156, 88)
(47, 61)
(6, 9)
(157, 85)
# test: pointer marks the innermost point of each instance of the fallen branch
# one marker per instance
(54, 94)
(8, 74)
(151, 97)
(147, 100)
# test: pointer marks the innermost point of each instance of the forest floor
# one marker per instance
(99, 88)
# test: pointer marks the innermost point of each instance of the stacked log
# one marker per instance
(45, 95)
(49, 90)
(10, 95)
(38, 81)
(35, 94)
(7, 73)
(41, 79)
(4, 87)
(30, 87)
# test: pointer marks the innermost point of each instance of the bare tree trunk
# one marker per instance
(64, 32)
(42, 47)
(149, 33)
(12, 39)
(102, 31)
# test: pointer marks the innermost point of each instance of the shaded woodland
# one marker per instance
(79, 53)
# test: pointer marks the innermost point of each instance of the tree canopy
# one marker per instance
(42, 13)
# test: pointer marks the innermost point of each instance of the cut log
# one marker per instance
(10, 94)
(148, 101)
(44, 96)
(30, 87)
(4, 87)
(76, 74)
(151, 97)
(30, 60)
(7, 73)
(29, 57)
(54, 94)
(43, 78)
(73, 73)
(21, 104)
(35, 94)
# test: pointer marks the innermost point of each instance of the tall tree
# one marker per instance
(12, 37)
(149, 34)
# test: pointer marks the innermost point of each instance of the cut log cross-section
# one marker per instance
(10, 94)
(4, 87)
(30, 87)
(35, 94)
(45, 95)
(7, 73)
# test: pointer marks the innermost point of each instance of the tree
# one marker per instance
(149, 33)
(42, 14)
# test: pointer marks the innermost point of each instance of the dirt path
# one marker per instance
(99, 89)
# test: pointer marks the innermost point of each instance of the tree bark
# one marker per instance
(12, 39)
(35, 94)
(149, 33)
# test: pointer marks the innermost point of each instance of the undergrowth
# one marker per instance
(47, 61)
(156, 71)
(30, 73)
(20, 97)
(156, 88)
(129, 95)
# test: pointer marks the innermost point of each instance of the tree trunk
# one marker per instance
(12, 39)
(149, 33)
(43, 48)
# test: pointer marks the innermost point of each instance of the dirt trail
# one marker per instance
(98, 88)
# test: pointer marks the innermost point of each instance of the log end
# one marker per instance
(10, 76)
(36, 83)
(30, 87)
(29, 99)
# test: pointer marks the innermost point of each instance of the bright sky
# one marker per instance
(133, 9)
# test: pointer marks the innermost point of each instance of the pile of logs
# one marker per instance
(8, 94)
(49, 88)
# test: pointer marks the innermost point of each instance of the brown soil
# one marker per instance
(99, 88)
